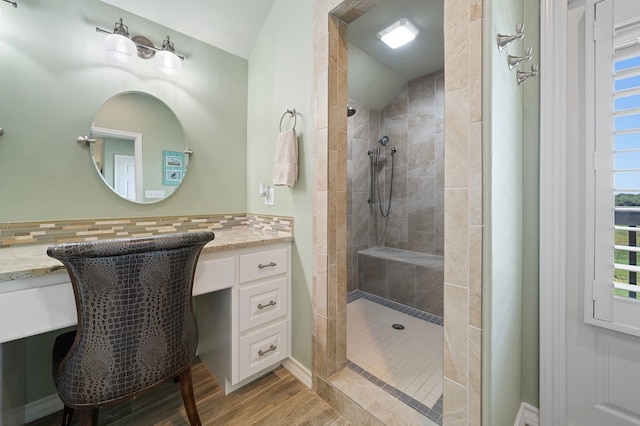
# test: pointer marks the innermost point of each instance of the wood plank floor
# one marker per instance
(277, 398)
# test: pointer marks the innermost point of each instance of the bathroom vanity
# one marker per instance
(243, 312)
(242, 288)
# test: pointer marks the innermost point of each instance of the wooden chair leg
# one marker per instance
(67, 415)
(186, 387)
(89, 417)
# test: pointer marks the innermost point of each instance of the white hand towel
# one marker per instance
(285, 165)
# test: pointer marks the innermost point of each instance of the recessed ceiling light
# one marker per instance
(398, 34)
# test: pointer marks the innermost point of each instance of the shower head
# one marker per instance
(384, 140)
(350, 110)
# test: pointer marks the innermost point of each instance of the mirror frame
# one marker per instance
(136, 138)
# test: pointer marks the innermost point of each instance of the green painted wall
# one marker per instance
(54, 76)
(531, 198)
(503, 247)
(281, 77)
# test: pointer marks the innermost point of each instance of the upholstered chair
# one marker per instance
(136, 324)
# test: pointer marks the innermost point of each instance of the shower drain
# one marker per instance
(398, 326)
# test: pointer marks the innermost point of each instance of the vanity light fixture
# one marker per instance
(124, 49)
(12, 3)
(399, 33)
(166, 59)
(118, 44)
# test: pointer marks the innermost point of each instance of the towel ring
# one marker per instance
(291, 112)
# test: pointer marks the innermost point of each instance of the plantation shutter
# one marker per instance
(614, 252)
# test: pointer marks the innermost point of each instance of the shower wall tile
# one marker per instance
(361, 166)
(422, 97)
(421, 241)
(358, 272)
(321, 159)
(374, 125)
(397, 235)
(397, 106)
(475, 276)
(456, 332)
(395, 128)
(421, 158)
(456, 45)
(456, 234)
(421, 220)
(439, 93)
(411, 121)
(457, 138)
(374, 275)
(421, 128)
(400, 185)
(439, 223)
(439, 161)
(358, 123)
(455, 399)
(475, 174)
(360, 220)
(430, 290)
(401, 282)
(475, 376)
(463, 212)
(475, 70)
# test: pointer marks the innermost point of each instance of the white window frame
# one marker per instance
(602, 308)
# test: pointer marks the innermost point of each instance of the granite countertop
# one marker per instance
(31, 260)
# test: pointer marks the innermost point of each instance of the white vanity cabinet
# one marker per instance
(243, 312)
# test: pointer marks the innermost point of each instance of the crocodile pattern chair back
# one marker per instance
(136, 324)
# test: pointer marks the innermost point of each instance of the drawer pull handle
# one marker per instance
(270, 265)
(271, 348)
(271, 303)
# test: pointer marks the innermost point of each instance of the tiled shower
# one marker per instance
(414, 123)
(401, 268)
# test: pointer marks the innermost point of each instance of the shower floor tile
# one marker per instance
(407, 363)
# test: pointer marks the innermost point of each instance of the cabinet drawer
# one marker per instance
(263, 264)
(213, 274)
(262, 303)
(262, 348)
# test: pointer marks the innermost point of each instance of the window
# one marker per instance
(613, 178)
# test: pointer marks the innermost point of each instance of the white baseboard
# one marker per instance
(298, 370)
(42, 407)
(528, 415)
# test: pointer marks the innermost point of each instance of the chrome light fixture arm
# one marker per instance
(12, 3)
(146, 49)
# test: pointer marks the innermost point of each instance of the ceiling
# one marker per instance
(234, 26)
(422, 56)
(377, 72)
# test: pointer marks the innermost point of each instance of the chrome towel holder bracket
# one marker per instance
(292, 113)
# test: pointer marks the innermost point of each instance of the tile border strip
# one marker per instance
(411, 311)
(58, 231)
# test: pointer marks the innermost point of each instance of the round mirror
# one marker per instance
(139, 147)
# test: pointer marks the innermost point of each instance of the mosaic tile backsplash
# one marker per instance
(60, 231)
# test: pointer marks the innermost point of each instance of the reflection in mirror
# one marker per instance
(139, 147)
